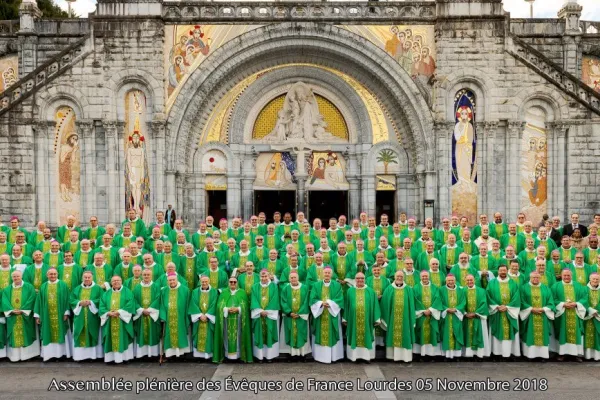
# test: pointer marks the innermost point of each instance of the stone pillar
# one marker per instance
(110, 132)
(88, 169)
(120, 158)
(247, 198)
(158, 186)
(571, 12)
(489, 161)
(559, 153)
(443, 134)
(420, 178)
(43, 157)
(513, 172)
(301, 194)
(354, 198)
(171, 194)
(234, 196)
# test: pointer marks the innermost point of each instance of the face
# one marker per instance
(37, 257)
(327, 275)
(575, 218)
(232, 283)
(470, 280)
(594, 280)
(434, 264)
(204, 282)
(502, 272)
(68, 257)
(52, 275)
(250, 267)
(578, 258)
(146, 275)
(463, 258)
(534, 278)
(450, 281)
(566, 276)
(116, 282)
(264, 277)
(172, 281)
(360, 280)
(399, 278)
(17, 278)
(425, 278)
(87, 279)
(126, 257)
(213, 263)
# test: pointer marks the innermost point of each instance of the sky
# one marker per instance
(517, 8)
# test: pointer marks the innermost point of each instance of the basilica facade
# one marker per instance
(226, 109)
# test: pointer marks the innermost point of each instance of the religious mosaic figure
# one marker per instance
(184, 53)
(464, 166)
(137, 182)
(65, 171)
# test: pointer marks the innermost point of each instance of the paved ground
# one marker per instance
(32, 380)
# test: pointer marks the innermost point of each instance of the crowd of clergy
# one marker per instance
(256, 291)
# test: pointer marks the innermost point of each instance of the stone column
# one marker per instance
(560, 173)
(158, 186)
(171, 193)
(513, 172)
(120, 158)
(234, 195)
(43, 177)
(247, 197)
(571, 12)
(443, 134)
(301, 193)
(420, 178)
(490, 182)
(88, 169)
(353, 198)
(110, 132)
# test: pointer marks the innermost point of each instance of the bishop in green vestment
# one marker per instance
(504, 302)
(18, 302)
(398, 319)
(36, 273)
(591, 342)
(361, 316)
(326, 303)
(101, 271)
(174, 302)
(453, 304)
(295, 311)
(264, 312)
(536, 315)
(203, 312)
(117, 307)
(428, 309)
(571, 301)
(146, 326)
(379, 284)
(462, 269)
(52, 310)
(475, 328)
(233, 333)
(87, 335)
(136, 278)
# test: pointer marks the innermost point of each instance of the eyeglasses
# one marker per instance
(230, 282)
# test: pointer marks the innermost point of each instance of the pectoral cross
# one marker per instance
(204, 305)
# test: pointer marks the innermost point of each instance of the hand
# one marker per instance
(37, 321)
(427, 313)
(502, 308)
(65, 317)
(233, 310)
(377, 323)
(242, 269)
(263, 314)
(379, 297)
(570, 304)
(146, 312)
(294, 315)
(17, 312)
(326, 305)
(470, 315)
(203, 318)
(451, 310)
(344, 323)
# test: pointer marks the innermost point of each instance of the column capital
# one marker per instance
(515, 128)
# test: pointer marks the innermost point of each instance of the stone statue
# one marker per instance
(299, 119)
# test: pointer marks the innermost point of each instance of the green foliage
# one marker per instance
(9, 9)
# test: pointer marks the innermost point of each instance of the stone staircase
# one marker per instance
(565, 81)
(42, 75)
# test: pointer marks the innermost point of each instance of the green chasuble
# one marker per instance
(125, 271)
(451, 324)
(448, 256)
(132, 282)
(203, 302)
(285, 275)
(568, 322)
(504, 325)
(410, 278)
(147, 327)
(117, 332)
(86, 322)
(438, 278)
(361, 312)
(582, 274)
(265, 330)
(295, 300)
(110, 253)
(83, 258)
(592, 323)
(427, 327)
(53, 259)
(101, 275)
(174, 304)
(475, 302)
(228, 330)
(20, 329)
(51, 305)
(461, 274)
(325, 327)
(314, 274)
(218, 278)
(71, 275)
(36, 276)
(189, 269)
(535, 328)
(246, 282)
(483, 265)
(398, 316)
(379, 285)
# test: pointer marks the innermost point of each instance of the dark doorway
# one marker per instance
(385, 202)
(327, 204)
(269, 201)
(216, 204)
